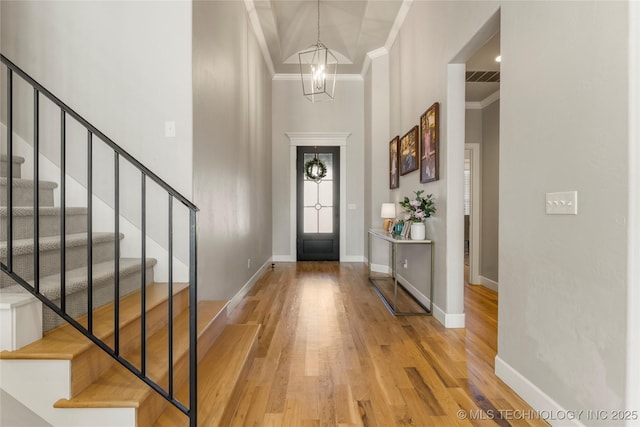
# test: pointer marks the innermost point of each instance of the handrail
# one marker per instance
(168, 392)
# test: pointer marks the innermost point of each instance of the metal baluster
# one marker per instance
(143, 297)
(90, 230)
(10, 170)
(63, 210)
(116, 277)
(36, 190)
(170, 296)
(193, 322)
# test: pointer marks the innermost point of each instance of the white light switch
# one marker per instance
(170, 129)
(563, 203)
(351, 206)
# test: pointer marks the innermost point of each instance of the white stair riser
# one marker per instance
(20, 320)
(38, 384)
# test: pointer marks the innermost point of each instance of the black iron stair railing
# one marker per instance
(145, 173)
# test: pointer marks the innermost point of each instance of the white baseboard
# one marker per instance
(380, 268)
(538, 399)
(352, 258)
(283, 258)
(488, 283)
(448, 320)
(235, 300)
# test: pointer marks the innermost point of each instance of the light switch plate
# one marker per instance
(351, 206)
(170, 129)
(562, 203)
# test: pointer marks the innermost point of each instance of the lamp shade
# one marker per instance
(388, 210)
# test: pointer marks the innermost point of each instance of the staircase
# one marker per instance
(122, 362)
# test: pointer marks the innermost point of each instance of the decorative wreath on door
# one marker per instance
(315, 169)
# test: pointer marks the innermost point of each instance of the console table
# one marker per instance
(394, 241)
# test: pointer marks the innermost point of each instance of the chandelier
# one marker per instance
(318, 68)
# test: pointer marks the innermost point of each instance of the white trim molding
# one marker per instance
(448, 320)
(235, 300)
(479, 105)
(307, 139)
(539, 400)
(488, 283)
(257, 30)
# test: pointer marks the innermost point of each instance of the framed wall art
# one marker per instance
(394, 172)
(409, 151)
(429, 144)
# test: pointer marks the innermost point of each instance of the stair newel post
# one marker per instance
(143, 290)
(36, 190)
(63, 210)
(116, 261)
(90, 230)
(170, 296)
(193, 321)
(9, 169)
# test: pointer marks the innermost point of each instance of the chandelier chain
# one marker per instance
(318, 22)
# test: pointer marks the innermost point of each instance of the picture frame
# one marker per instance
(409, 151)
(394, 160)
(430, 144)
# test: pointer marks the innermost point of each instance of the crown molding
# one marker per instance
(495, 96)
(257, 30)
(370, 56)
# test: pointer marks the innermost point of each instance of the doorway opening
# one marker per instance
(318, 206)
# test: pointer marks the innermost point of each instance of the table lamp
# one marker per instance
(388, 212)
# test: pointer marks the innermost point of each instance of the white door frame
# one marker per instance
(476, 212)
(310, 139)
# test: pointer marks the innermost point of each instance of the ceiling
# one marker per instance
(351, 29)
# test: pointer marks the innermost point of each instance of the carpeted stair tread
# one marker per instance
(26, 246)
(28, 183)
(66, 343)
(77, 279)
(119, 388)
(16, 159)
(44, 211)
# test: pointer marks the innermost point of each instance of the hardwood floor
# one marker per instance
(330, 354)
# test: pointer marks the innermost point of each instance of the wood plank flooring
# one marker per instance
(330, 354)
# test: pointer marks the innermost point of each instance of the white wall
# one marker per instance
(126, 68)
(292, 112)
(232, 149)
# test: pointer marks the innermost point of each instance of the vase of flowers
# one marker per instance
(416, 211)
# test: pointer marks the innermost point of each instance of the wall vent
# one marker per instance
(483, 76)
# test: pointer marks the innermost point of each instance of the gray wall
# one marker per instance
(126, 68)
(562, 278)
(490, 191)
(231, 150)
(292, 112)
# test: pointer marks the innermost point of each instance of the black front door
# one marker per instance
(318, 207)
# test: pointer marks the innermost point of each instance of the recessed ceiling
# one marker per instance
(349, 28)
